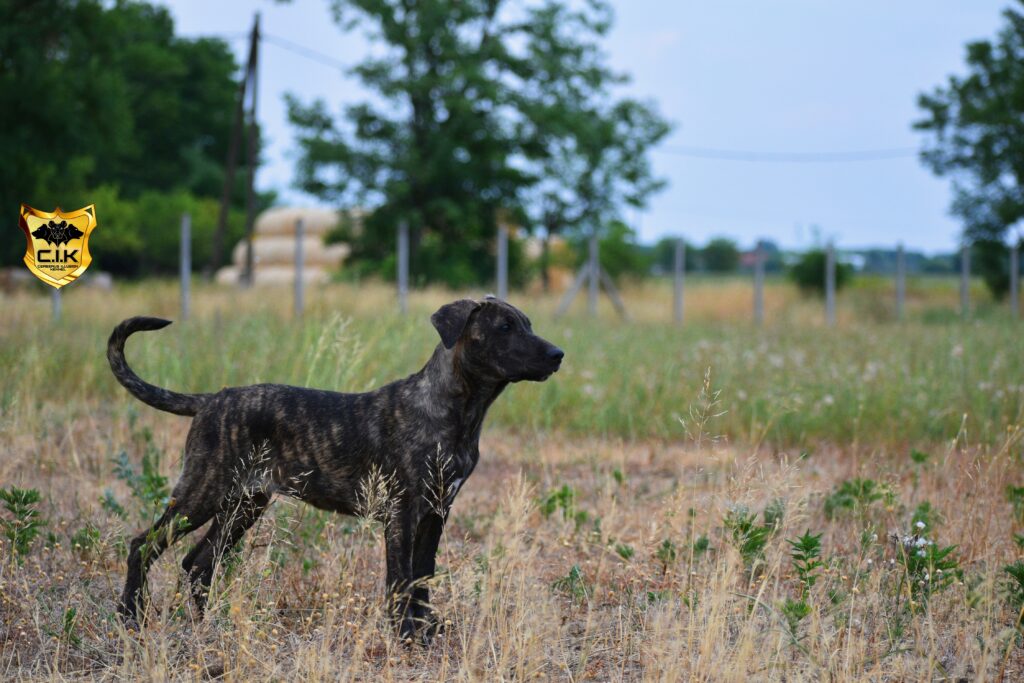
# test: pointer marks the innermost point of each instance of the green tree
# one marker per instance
(434, 147)
(977, 127)
(474, 105)
(589, 150)
(720, 255)
(96, 94)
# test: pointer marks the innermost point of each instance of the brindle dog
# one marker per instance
(415, 441)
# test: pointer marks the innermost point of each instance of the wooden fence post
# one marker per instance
(403, 267)
(901, 280)
(502, 262)
(830, 285)
(1015, 278)
(759, 284)
(965, 280)
(595, 270)
(300, 263)
(679, 273)
(185, 264)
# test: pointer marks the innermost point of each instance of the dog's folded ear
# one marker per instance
(450, 320)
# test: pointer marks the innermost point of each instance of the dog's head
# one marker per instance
(494, 340)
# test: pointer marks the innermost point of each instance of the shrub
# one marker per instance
(809, 273)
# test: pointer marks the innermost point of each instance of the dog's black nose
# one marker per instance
(555, 353)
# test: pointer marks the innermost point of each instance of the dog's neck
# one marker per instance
(445, 386)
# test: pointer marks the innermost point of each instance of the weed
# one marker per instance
(856, 495)
(1015, 584)
(748, 537)
(805, 552)
(794, 611)
(148, 487)
(926, 567)
(624, 551)
(86, 539)
(666, 554)
(926, 514)
(573, 584)
(563, 499)
(23, 529)
(1015, 494)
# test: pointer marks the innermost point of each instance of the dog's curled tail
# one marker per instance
(161, 399)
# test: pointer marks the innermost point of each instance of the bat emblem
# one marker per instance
(57, 232)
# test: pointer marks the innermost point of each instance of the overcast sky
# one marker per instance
(760, 76)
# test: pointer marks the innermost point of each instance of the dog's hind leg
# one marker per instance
(176, 521)
(227, 529)
(194, 501)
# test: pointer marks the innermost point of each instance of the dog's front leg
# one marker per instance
(424, 559)
(398, 539)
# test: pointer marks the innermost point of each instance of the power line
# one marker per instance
(304, 51)
(789, 157)
(289, 46)
(711, 153)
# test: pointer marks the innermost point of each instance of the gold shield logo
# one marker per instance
(58, 243)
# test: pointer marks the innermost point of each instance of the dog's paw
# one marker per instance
(129, 619)
(407, 631)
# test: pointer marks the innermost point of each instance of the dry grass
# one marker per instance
(606, 580)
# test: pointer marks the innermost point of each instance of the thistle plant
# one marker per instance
(22, 530)
(927, 567)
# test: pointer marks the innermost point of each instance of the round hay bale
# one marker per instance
(281, 275)
(228, 275)
(280, 220)
(280, 250)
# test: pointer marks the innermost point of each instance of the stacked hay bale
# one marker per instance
(273, 247)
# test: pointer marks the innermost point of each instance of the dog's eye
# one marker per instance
(505, 327)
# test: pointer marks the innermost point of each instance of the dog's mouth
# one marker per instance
(538, 376)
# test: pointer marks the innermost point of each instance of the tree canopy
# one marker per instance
(482, 111)
(96, 94)
(977, 127)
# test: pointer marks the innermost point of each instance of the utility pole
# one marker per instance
(252, 151)
(217, 254)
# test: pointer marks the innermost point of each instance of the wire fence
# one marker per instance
(594, 278)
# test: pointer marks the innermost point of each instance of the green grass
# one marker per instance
(873, 383)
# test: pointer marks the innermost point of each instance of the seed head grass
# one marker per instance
(711, 502)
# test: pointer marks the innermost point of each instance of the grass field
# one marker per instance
(713, 502)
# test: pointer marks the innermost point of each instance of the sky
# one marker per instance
(763, 77)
